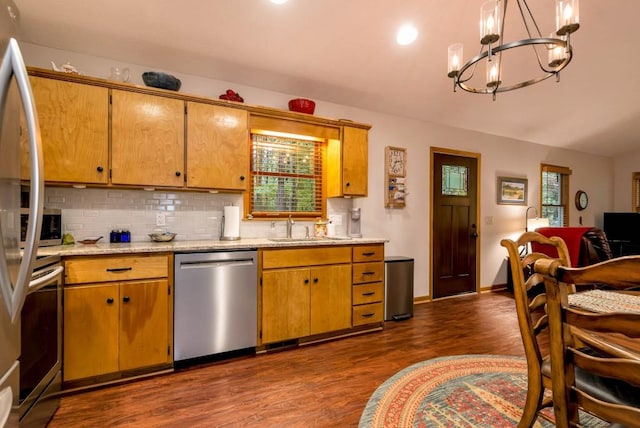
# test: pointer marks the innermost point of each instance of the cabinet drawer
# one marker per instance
(122, 268)
(305, 257)
(368, 253)
(367, 314)
(368, 293)
(368, 272)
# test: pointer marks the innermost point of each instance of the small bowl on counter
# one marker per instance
(162, 236)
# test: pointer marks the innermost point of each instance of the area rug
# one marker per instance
(460, 391)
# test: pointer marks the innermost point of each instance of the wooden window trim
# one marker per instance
(635, 192)
(565, 174)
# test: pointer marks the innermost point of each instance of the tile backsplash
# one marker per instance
(192, 215)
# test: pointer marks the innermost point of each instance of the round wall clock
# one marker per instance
(396, 161)
(582, 200)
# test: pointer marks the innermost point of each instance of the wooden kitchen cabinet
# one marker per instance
(117, 316)
(300, 300)
(147, 140)
(74, 126)
(348, 163)
(368, 284)
(217, 147)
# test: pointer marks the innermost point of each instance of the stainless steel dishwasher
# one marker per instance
(216, 304)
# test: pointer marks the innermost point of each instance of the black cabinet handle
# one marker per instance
(367, 315)
(126, 299)
(99, 169)
(242, 178)
(177, 173)
(122, 269)
(110, 301)
(368, 254)
(368, 273)
(371, 293)
(348, 184)
(306, 281)
(315, 280)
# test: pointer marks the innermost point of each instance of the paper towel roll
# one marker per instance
(231, 223)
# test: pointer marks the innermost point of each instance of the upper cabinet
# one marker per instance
(147, 140)
(348, 163)
(74, 125)
(103, 133)
(217, 147)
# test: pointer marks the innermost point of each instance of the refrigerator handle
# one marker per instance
(13, 65)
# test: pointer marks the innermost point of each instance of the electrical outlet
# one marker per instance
(160, 219)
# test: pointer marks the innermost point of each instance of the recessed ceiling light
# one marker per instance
(407, 34)
(278, 1)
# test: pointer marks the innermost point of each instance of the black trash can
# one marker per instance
(398, 288)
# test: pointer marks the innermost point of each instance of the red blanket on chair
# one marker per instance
(570, 235)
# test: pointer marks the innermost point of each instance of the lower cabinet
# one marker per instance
(117, 315)
(299, 300)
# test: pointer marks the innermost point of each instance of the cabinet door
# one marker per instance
(330, 298)
(90, 331)
(217, 147)
(285, 304)
(144, 335)
(147, 140)
(354, 161)
(74, 121)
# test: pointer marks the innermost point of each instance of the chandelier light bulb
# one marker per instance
(567, 16)
(489, 22)
(493, 73)
(455, 59)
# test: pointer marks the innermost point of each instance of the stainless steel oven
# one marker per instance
(41, 338)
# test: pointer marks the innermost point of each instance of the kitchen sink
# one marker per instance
(311, 239)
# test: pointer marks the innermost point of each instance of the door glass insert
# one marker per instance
(454, 180)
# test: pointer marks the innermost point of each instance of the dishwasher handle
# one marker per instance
(206, 264)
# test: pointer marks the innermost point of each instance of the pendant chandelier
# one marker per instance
(552, 53)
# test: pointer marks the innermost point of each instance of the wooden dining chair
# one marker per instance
(528, 291)
(596, 339)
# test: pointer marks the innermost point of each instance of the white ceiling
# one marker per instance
(344, 51)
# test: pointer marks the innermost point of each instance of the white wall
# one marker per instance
(624, 167)
(407, 230)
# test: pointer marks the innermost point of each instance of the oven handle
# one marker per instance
(37, 284)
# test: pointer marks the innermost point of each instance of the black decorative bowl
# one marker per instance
(161, 80)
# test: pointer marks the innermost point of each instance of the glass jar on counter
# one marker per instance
(320, 229)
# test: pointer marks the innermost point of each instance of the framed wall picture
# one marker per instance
(512, 191)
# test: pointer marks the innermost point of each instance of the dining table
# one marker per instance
(608, 301)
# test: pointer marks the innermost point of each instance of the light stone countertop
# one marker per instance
(194, 246)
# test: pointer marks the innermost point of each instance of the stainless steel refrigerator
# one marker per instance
(16, 266)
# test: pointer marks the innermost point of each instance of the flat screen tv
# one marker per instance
(622, 227)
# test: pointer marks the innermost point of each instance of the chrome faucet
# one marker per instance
(290, 224)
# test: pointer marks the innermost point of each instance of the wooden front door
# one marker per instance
(455, 231)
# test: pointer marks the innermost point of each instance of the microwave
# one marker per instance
(51, 233)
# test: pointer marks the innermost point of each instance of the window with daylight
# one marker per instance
(286, 177)
(554, 194)
(635, 185)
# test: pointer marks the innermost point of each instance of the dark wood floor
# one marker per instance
(322, 385)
